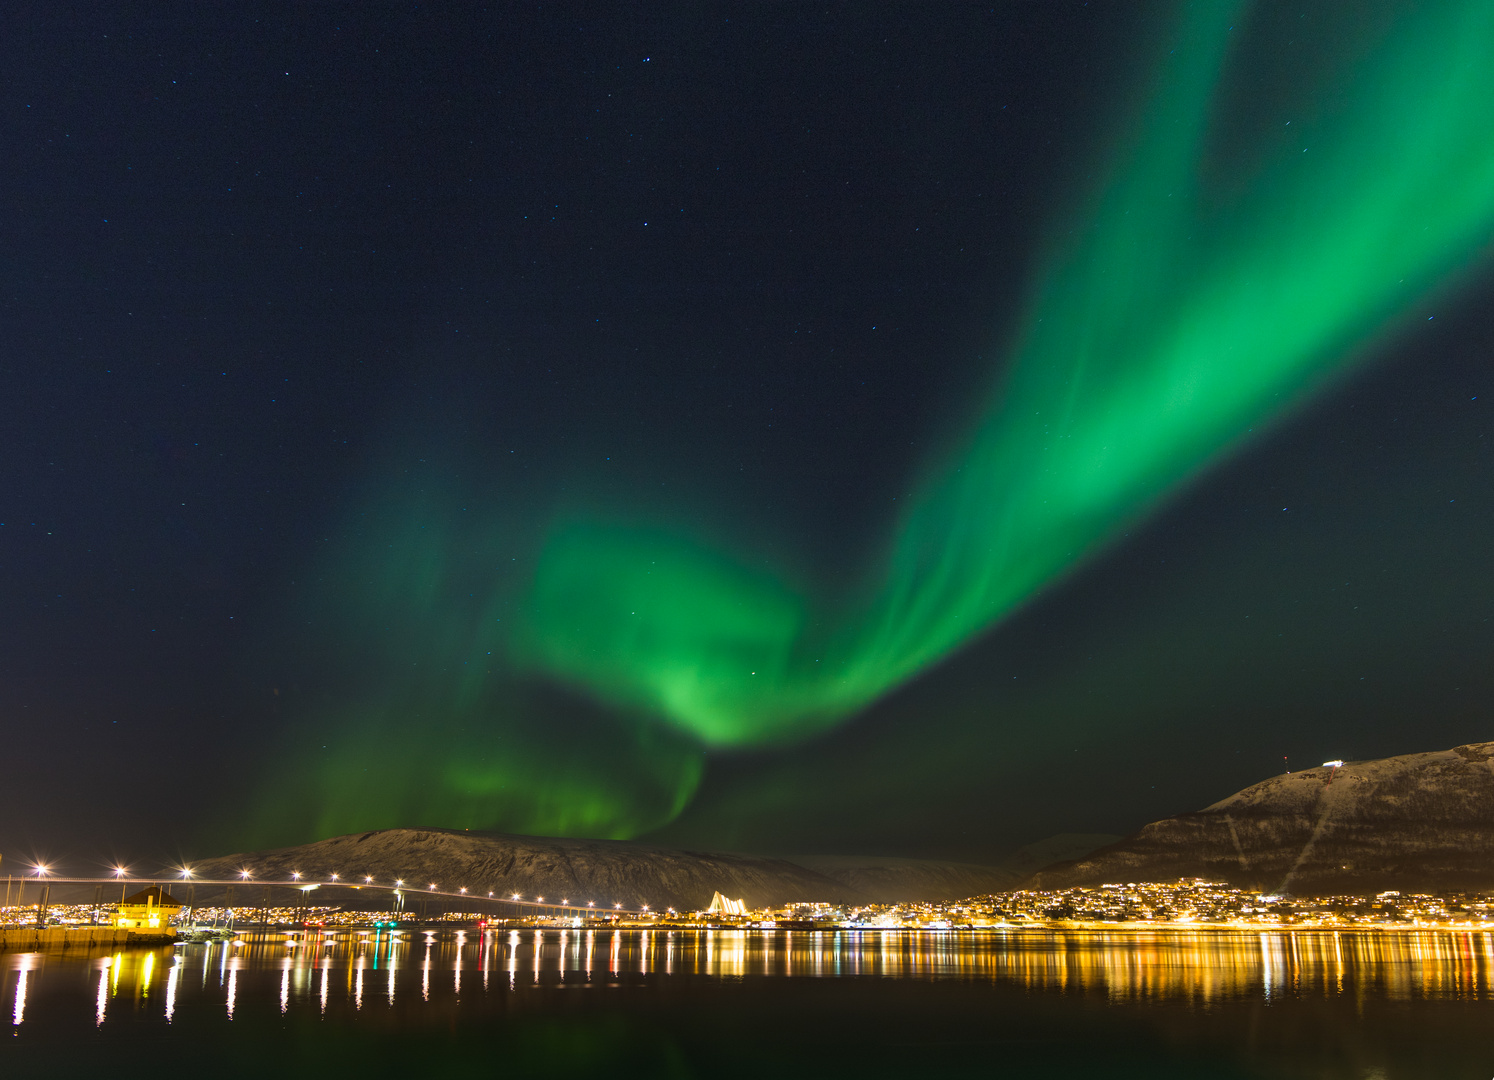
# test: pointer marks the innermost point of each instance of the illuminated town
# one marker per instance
(1191, 904)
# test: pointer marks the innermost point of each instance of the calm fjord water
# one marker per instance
(755, 1003)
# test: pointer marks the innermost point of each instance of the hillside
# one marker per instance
(884, 879)
(606, 871)
(1414, 822)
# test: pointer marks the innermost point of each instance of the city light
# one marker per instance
(41, 869)
(399, 881)
(334, 877)
(463, 889)
(244, 874)
(296, 874)
(368, 881)
(121, 871)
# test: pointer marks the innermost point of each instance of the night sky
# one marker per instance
(911, 429)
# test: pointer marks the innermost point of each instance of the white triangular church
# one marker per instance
(720, 905)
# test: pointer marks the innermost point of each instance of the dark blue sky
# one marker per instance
(270, 269)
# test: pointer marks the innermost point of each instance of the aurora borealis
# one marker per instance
(1172, 317)
(1177, 310)
(778, 429)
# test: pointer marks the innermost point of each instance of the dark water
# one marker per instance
(764, 1004)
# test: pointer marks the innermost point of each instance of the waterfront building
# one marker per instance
(148, 909)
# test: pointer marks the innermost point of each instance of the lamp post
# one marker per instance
(42, 896)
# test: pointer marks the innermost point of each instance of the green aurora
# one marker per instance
(1198, 293)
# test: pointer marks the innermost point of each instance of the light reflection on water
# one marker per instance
(1197, 967)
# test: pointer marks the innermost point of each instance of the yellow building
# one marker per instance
(149, 909)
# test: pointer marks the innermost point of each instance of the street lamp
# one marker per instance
(296, 874)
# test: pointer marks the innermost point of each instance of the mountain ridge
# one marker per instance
(1417, 822)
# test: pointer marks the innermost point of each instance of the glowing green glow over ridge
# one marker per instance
(1175, 315)
(1217, 274)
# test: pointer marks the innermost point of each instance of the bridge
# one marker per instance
(400, 890)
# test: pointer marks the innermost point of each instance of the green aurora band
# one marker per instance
(1195, 296)
(1175, 319)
